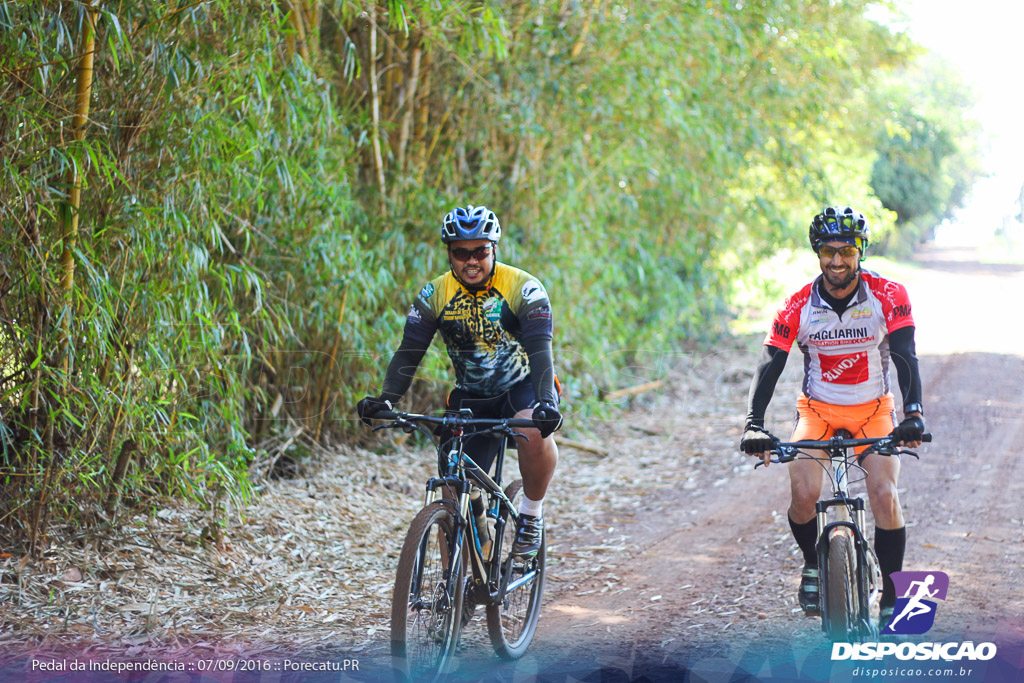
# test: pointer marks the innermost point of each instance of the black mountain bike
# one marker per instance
(457, 553)
(850, 582)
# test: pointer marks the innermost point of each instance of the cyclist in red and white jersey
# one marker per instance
(851, 324)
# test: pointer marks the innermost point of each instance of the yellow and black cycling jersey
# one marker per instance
(483, 329)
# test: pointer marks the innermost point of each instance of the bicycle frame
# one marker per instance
(457, 473)
(461, 473)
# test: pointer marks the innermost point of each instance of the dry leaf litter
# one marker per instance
(307, 567)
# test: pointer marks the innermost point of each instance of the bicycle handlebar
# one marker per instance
(787, 451)
(457, 420)
(838, 442)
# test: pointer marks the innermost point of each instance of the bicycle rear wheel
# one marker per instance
(426, 606)
(512, 620)
(841, 601)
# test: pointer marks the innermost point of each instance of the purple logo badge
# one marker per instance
(914, 613)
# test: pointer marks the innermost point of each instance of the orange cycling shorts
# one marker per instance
(817, 420)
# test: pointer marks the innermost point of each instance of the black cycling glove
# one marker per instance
(756, 440)
(370, 406)
(911, 429)
(547, 418)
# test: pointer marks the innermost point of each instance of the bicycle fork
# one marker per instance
(453, 554)
(864, 568)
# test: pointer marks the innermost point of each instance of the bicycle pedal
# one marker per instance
(522, 565)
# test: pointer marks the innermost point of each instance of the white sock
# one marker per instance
(534, 508)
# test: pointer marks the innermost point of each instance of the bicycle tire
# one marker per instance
(512, 621)
(425, 612)
(841, 600)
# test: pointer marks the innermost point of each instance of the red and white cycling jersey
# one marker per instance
(846, 359)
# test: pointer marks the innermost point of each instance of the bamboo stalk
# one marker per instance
(74, 177)
(313, 20)
(297, 16)
(40, 513)
(433, 142)
(330, 369)
(629, 391)
(569, 443)
(128, 447)
(437, 135)
(125, 384)
(378, 161)
(410, 105)
(419, 129)
(289, 41)
(387, 97)
(578, 45)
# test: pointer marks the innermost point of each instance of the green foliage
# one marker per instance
(215, 179)
(928, 156)
(245, 255)
(661, 141)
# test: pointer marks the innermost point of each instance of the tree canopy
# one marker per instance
(928, 156)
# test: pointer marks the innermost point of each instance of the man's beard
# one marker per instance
(482, 285)
(840, 282)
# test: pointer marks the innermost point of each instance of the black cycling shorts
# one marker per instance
(482, 448)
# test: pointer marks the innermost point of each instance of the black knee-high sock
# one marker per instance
(890, 544)
(806, 536)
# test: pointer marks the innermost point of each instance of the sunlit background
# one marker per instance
(983, 40)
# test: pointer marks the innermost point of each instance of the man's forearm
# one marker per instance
(770, 365)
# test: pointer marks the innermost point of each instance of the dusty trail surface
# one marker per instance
(670, 556)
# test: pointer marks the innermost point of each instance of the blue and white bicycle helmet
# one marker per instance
(840, 223)
(470, 223)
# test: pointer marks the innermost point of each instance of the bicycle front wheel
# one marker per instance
(512, 618)
(427, 603)
(841, 599)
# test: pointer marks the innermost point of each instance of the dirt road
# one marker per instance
(710, 585)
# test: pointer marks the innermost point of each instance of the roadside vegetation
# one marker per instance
(213, 214)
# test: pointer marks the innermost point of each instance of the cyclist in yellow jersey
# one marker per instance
(495, 321)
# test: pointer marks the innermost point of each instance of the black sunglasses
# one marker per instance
(463, 255)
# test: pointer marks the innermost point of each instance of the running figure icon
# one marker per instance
(915, 606)
(915, 610)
